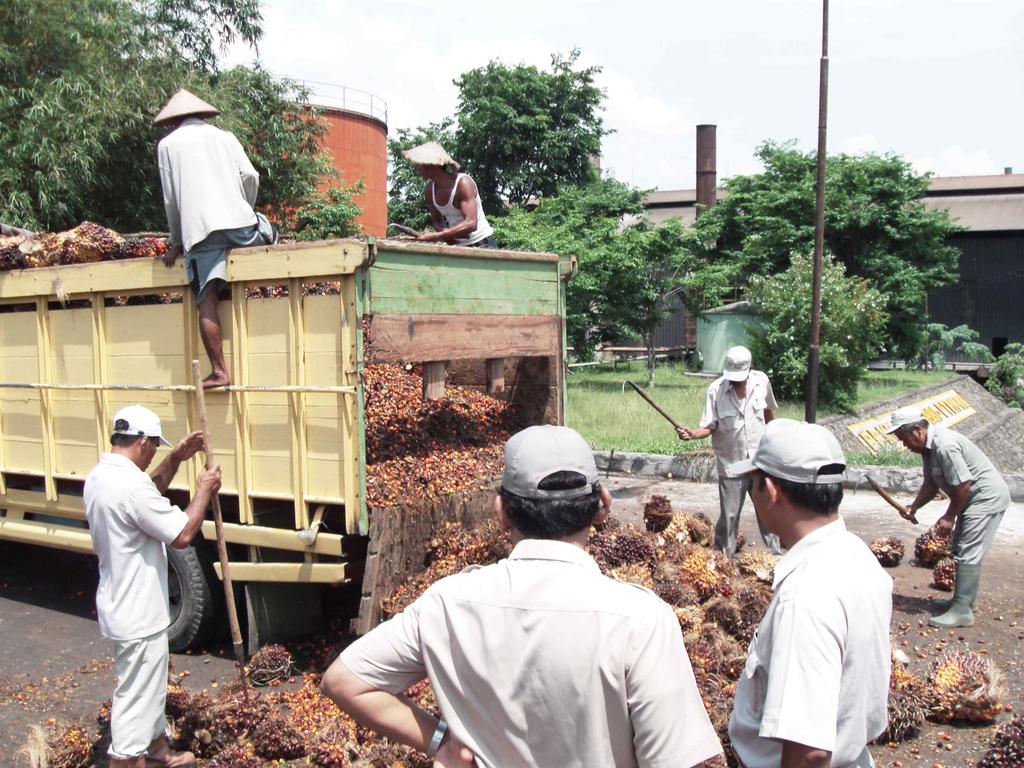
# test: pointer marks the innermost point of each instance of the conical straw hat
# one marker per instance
(183, 104)
(430, 153)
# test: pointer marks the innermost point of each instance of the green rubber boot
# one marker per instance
(960, 613)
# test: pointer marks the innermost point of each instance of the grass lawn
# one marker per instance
(610, 417)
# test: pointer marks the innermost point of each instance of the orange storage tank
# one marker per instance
(358, 144)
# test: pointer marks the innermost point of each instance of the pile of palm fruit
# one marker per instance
(85, 243)
(718, 603)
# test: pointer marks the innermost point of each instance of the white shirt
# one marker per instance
(737, 425)
(453, 216)
(540, 660)
(817, 670)
(130, 522)
(208, 182)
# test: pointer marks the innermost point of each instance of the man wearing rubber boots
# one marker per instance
(737, 407)
(131, 523)
(978, 498)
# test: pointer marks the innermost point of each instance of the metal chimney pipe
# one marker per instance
(1008, 170)
(707, 174)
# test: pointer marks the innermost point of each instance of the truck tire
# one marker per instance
(190, 601)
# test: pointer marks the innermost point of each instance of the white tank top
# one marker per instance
(452, 215)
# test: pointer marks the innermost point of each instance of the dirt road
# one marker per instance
(54, 662)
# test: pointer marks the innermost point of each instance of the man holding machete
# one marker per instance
(737, 407)
(978, 498)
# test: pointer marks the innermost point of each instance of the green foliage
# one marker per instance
(875, 225)
(628, 272)
(939, 340)
(524, 132)
(80, 81)
(329, 214)
(853, 321)
(405, 186)
(1006, 379)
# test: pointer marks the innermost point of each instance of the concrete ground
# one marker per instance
(55, 664)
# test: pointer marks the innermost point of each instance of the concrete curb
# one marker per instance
(701, 468)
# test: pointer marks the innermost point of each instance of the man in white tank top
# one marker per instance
(452, 199)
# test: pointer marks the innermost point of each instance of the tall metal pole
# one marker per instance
(811, 407)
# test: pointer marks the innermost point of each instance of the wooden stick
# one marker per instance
(218, 524)
(406, 230)
(640, 391)
(904, 511)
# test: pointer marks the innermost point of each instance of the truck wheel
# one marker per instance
(189, 600)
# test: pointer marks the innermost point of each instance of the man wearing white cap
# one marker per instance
(130, 523)
(815, 687)
(452, 199)
(737, 406)
(978, 498)
(538, 660)
(209, 189)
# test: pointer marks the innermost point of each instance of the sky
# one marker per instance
(940, 82)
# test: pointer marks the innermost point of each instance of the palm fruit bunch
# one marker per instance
(712, 650)
(908, 704)
(276, 738)
(634, 573)
(384, 754)
(657, 513)
(966, 686)
(759, 563)
(753, 601)
(691, 618)
(139, 248)
(670, 589)
(944, 574)
(677, 529)
(700, 571)
(631, 546)
(888, 550)
(68, 748)
(741, 541)
(177, 702)
(701, 530)
(237, 756)
(930, 548)
(1007, 747)
(726, 613)
(103, 717)
(271, 662)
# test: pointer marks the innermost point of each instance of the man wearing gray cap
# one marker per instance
(737, 406)
(539, 659)
(978, 498)
(815, 687)
(131, 524)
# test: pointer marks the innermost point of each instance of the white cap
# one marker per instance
(797, 451)
(536, 452)
(902, 417)
(737, 364)
(140, 422)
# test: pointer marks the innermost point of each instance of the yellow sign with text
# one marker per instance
(941, 410)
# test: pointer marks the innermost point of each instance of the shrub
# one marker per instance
(1006, 379)
(853, 322)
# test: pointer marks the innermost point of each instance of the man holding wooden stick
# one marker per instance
(131, 523)
(737, 407)
(978, 498)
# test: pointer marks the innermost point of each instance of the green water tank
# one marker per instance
(721, 328)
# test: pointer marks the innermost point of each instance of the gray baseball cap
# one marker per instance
(797, 451)
(536, 452)
(737, 364)
(902, 417)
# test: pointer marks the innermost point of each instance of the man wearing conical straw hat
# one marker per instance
(209, 189)
(452, 199)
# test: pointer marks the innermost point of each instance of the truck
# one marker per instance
(79, 342)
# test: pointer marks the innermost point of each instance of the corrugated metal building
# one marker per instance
(988, 297)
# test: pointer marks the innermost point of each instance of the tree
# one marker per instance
(853, 319)
(524, 132)
(875, 225)
(629, 269)
(1006, 379)
(939, 340)
(80, 81)
(331, 213)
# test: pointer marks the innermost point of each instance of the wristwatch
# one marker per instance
(438, 737)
